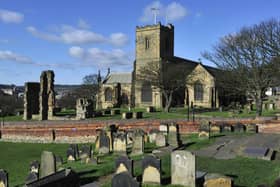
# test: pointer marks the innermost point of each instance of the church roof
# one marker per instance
(123, 78)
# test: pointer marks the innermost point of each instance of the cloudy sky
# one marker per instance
(78, 37)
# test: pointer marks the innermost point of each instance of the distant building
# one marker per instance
(155, 43)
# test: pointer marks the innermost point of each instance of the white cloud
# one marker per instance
(14, 57)
(76, 36)
(83, 24)
(171, 12)
(118, 39)
(100, 58)
(8, 16)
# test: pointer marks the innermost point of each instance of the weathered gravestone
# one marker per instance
(173, 137)
(124, 164)
(127, 115)
(150, 109)
(3, 178)
(226, 128)
(160, 140)
(215, 128)
(217, 180)
(31, 178)
(119, 142)
(163, 128)
(239, 127)
(124, 179)
(48, 166)
(70, 154)
(204, 129)
(62, 178)
(137, 115)
(85, 153)
(251, 127)
(103, 143)
(183, 168)
(138, 143)
(151, 167)
(152, 135)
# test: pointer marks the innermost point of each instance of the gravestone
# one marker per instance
(160, 140)
(204, 129)
(253, 128)
(3, 178)
(75, 147)
(137, 144)
(70, 154)
(104, 143)
(119, 142)
(226, 128)
(85, 153)
(173, 138)
(238, 127)
(124, 164)
(150, 109)
(215, 128)
(151, 167)
(183, 168)
(129, 137)
(124, 179)
(217, 180)
(48, 166)
(34, 166)
(127, 115)
(137, 115)
(255, 152)
(163, 128)
(65, 177)
(152, 135)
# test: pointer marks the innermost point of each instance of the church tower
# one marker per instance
(154, 44)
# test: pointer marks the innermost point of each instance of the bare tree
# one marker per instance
(250, 60)
(163, 77)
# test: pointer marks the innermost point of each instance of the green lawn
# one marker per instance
(175, 113)
(15, 158)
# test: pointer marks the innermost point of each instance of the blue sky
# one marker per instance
(77, 37)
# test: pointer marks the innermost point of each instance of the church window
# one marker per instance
(198, 91)
(147, 43)
(146, 92)
(108, 94)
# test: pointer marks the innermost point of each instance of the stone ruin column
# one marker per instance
(47, 95)
(31, 99)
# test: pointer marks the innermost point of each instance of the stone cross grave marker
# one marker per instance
(124, 179)
(3, 178)
(151, 167)
(124, 164)
(48, 166)
(183, 168)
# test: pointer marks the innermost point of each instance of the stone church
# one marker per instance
(155, 44)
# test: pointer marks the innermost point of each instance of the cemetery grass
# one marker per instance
(175, 113)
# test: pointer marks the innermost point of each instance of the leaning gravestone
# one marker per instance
(160, 140)
(137, 144)
(183, 168)
(124, 164)
(48, 166)
(217, 180)
(3, 178)
(151, 167)
(173, 135)
(152, 135)
(119, 142)
(62, 178)
(124, 179)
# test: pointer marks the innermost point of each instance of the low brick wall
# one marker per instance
(78, 131)
(85, 131)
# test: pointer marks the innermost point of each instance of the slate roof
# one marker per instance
(123, 78)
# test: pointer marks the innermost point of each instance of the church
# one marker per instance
(155, 44)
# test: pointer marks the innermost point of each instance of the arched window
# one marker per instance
(198, 91)
(146, 92)
(108, 94)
